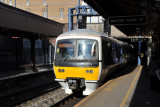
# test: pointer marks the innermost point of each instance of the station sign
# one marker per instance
(127, 20)
(139, 39)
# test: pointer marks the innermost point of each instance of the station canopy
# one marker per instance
(143, 16)
(17, 22)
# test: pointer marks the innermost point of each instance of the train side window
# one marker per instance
(119, 53)
(122, 55)
(114, 53)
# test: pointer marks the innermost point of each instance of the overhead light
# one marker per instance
(14, 37)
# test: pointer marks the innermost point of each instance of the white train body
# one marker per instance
(83, 58)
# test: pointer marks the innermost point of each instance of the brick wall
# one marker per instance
(53, 7)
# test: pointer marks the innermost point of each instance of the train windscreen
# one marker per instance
(77, 50)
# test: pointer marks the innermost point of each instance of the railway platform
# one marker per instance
(23, 70)
(21, 87)
(131, 88)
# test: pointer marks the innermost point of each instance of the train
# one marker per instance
(83, 58)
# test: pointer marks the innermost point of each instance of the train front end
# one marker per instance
(77, 64)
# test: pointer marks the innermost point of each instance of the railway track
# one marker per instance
(69, 101)
(64, 101)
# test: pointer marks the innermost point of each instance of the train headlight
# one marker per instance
(62, 70)
(59, 70)
(87, 71)
(91, 71)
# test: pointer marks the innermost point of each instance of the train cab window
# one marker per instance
(65, 49)
(87, 49)
(77, 50)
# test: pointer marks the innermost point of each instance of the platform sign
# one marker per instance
(127, 20)
(139, 39)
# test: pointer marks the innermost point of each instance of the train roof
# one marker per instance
(88, 32)
(81, 32)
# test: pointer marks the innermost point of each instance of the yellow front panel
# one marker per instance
(77, 72)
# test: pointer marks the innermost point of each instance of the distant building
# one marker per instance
(53, 9)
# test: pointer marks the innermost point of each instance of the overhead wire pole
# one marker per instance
(15, 3)
(79, 3)
(47, 10)
(106, 27)
(81, 12)
(139, 47)
(70, 19)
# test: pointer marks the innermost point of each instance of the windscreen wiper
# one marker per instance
(83, 55)
(68, 56)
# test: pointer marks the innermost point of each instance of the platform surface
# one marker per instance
(23, 70)
(117, 92)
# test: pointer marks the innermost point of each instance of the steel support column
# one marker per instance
(70, 19)
(139, 51)
(32, 52)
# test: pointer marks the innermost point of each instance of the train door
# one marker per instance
(107, 53)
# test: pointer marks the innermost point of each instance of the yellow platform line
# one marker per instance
(130, 88)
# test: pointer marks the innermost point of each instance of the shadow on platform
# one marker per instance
(143, 95)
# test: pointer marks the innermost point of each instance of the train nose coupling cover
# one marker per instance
(76, 83)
